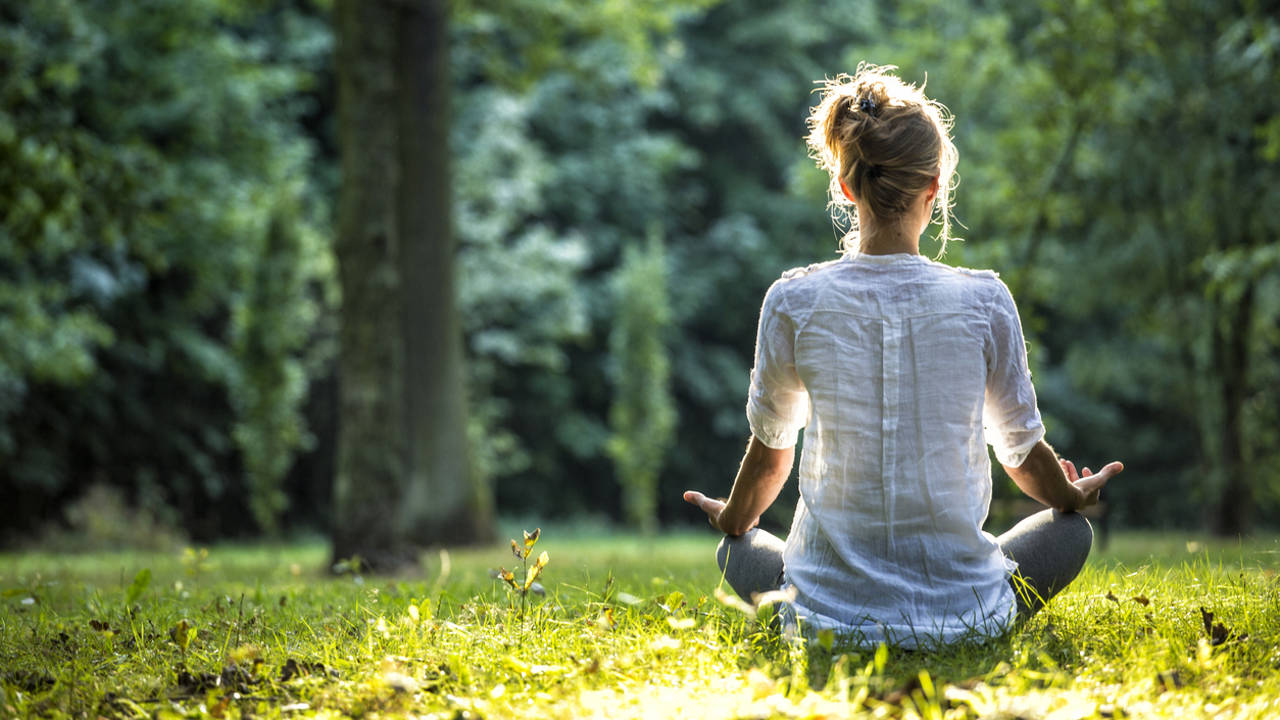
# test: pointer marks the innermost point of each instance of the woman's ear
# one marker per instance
(933, 189)
(849, 193)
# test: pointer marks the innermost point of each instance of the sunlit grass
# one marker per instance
(629, 627)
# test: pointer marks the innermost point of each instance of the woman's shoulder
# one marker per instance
(986, 283)
(802, 281)
(807, 270)
(982, 287)
(978, 274)
(798, 287)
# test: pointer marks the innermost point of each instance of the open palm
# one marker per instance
(1089, 482)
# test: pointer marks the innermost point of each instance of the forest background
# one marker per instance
(628, 179)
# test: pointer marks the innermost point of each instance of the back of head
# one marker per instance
(887, 142)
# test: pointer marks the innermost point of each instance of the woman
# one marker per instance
(903, 370)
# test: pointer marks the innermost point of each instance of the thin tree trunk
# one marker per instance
(1232, 510)
(1035, 235)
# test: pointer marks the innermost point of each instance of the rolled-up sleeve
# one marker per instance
(777, 402)
(1010, 417)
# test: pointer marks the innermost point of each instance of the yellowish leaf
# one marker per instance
(507, 575)
(516, 665)
(734, 602)
(605, 621)
(826, 638)
(680, 623)
(182, 634)
(664, 644)
(399, 682)
(533, 575)
(244, 655)
(530, 538)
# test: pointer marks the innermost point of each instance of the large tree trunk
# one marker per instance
(447, 504)
(403, 479)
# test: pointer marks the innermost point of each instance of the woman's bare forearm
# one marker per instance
(761, 476)
(1042, 478)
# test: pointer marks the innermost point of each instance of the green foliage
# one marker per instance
(1168, 344)
(629, 629)
(717, 169)
(543, 211)
(643, 415)
(137, 587)
(167, 297)
(279, 317)
(145, 149)
(1144, 298)
(517, 300)
(518, 44)
(102, 519)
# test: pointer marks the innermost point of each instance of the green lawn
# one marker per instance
(629, 627)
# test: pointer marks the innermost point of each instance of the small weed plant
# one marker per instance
(527, 582)
(630, 628)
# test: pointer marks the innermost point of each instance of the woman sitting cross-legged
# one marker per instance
(902, 370)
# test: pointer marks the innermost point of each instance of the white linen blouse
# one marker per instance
(902, 370)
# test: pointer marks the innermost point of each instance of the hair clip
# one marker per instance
(867, 105)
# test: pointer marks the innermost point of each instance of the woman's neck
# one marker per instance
(901, 235)
(877, 239)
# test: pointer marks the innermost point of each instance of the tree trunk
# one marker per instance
(403, 478)
(1232, 509)
(444, 503)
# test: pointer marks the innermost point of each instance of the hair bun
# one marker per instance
(885, 142)
(873, 96)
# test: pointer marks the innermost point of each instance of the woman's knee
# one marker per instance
(1074, 537)
(1076, 529)
(730, 544)
(722, 552)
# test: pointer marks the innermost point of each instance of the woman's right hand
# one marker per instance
(715, 510)
(1088, 482)
(711, 506)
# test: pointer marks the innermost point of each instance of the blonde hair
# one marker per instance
(887, 141)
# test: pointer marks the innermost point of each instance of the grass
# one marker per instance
(629, 627)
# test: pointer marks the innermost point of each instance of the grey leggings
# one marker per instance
(1050, 548)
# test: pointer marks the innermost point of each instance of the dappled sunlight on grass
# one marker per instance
(629, 627)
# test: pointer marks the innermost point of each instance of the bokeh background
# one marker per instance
(625, 180)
